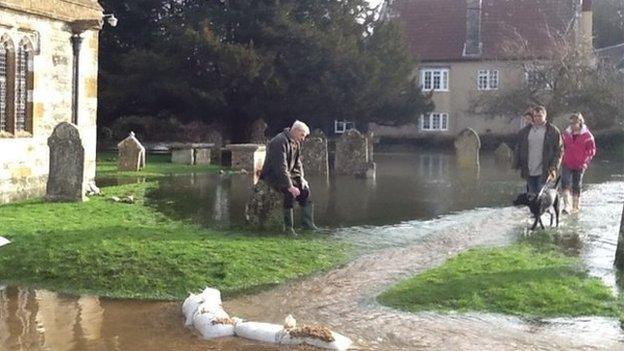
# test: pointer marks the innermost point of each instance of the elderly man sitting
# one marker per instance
(283, 171)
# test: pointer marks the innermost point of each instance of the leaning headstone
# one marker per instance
(258, 130)
(264, 209)
(503, 154)
(130, 154)
(352, 154)
(182, 154)
(467, 146)
(314, 156)
(67, 164)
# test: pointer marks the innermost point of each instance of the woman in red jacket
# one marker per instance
(578, 150)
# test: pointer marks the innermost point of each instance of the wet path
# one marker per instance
(345, 298)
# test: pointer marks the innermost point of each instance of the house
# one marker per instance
(48, 74)
(465, 48)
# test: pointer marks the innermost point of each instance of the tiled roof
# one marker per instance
(436, 29)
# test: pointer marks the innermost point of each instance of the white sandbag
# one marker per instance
(189, 307)
(214, 309)
(211, 295)
(205, 324)
(340, 342)
(266, 332)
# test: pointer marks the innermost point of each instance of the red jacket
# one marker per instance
(578, 150)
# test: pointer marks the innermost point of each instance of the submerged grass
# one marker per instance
(156, 166)
(133, 251)
(519, 280)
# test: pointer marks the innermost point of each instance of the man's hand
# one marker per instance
(304, 184)
(294, 191)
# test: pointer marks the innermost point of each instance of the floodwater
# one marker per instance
(417, 213)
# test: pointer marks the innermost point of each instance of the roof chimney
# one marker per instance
(584, 29)
(473, 46)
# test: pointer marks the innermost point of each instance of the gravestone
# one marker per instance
(352, 155)
(67, 165)
(503, 154)
(249, 157)
(203, 155)
(264, 211)
(467, 146)
(258, 130)
(182, 154)
(130, 154)
(214, 137)
(314, 155)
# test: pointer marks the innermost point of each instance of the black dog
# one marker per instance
(546, 201)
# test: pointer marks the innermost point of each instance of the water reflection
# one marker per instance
(407, 186)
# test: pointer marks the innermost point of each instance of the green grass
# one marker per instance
(155, 166)
(133, 251)
(518, 280)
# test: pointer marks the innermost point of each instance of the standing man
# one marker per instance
(283, 171)
(538, 151)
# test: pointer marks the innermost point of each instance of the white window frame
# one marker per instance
(340, 127)
(428, 79)
(488, 79)
(434, 121)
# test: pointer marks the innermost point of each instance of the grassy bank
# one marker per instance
(518, 280)
(155, 166)
(133, 251)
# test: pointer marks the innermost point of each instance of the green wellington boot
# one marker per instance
(288, 222)
(307, 217)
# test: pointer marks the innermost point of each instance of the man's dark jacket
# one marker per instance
(282, 163)
(551, 155)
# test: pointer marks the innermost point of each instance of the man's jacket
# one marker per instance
(282, 163)
(551, 154)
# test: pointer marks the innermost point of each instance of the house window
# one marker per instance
(23, 87)
(434, 79)
(434, 121)
(487, 79)
(342, 126)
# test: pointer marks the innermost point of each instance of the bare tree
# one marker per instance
(566, 78)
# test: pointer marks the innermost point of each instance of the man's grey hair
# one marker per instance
(301, 126)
